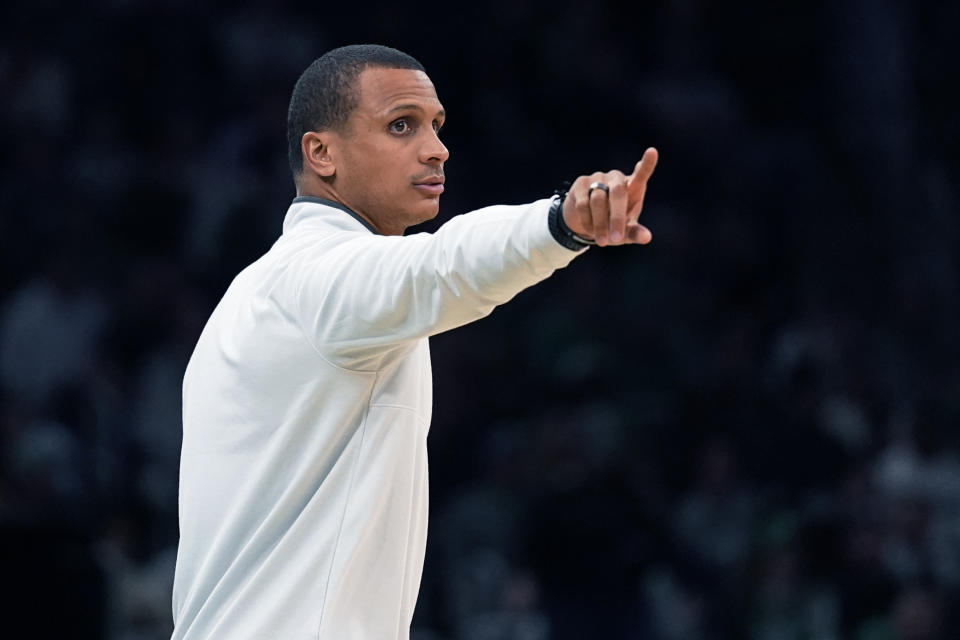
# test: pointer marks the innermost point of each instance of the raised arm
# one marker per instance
(363, 299)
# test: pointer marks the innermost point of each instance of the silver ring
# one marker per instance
(597, 185)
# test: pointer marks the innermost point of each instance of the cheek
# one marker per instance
(380, 171)
(392, 171)
(381, 180)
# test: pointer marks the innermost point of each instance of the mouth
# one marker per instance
(432, 186)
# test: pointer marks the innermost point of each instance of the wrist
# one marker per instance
(559, 228)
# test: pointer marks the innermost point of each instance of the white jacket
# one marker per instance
(306, 406)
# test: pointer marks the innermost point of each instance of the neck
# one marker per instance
(326, 192)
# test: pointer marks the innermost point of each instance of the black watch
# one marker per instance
(558, 227)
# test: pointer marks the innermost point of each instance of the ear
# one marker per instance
(315, 146)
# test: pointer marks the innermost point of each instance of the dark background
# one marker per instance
(747, 429)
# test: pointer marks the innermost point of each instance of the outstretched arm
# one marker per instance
(361, 299)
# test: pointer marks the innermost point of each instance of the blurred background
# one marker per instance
(748, 429)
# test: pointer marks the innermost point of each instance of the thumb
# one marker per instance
(638, 234)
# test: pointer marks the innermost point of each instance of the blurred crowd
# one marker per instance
(748, 429)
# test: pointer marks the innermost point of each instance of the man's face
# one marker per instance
(389, 161)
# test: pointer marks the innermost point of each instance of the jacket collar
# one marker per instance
(296, 214)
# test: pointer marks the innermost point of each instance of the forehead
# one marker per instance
(381, 89)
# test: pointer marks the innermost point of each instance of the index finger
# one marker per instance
(643, 170)
(637, 182)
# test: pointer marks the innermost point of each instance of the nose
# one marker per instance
(434, 151)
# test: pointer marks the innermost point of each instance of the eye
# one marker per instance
(437, 126)
(400, 126)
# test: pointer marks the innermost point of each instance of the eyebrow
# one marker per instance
(415, 107)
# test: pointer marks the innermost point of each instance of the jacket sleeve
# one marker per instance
(370, 295)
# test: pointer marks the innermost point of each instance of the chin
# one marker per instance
(428, 211)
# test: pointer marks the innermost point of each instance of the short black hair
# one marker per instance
(326, 93)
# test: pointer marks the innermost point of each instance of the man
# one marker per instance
(306, 403)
